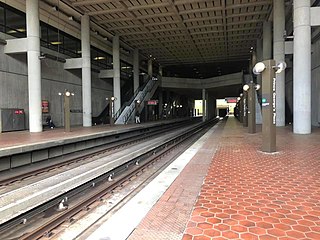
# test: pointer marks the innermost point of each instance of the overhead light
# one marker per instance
(125, 67)
(67, 93)
(259, 68)
(241, 94)
(99, 58)
(246, 87)
(56, 43)
(42, 56)
(280, 67)
(257, 87)
(251, 48)
(16, 30)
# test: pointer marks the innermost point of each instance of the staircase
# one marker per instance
(144, 93)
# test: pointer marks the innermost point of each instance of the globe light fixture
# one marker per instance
(246, 87)
(259, 68)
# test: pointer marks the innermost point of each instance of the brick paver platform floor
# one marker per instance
(246, 194)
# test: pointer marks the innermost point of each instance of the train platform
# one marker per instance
(232, 190)
(24, 148)
(25, 138)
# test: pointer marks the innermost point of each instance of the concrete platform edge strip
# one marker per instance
(136, 209)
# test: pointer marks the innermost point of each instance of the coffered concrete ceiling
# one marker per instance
(182, 31)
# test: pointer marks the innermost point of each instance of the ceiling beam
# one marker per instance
(148, 6)
(106, 11)
(90, 2)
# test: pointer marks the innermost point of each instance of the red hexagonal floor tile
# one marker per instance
(230, 235)
(248, 236)
(194, 231)
(276, 232)
(212, 233)
(204, 225)
(222, 227)
(295, 234)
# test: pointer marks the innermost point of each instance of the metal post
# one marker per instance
(251, 108)
(269, 107)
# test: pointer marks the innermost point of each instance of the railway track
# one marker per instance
(51, 216)
(88, 155)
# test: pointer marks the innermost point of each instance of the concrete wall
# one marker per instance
(14, 87)
(221, 81)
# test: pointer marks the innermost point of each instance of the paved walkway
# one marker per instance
(246, 194)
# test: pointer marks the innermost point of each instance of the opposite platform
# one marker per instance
(23, 148)
(246, 194)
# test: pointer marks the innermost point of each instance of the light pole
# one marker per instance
(268, 69)
(245, 108)
(241, 108)
(67, 94)
(111, 109)
(251, 89)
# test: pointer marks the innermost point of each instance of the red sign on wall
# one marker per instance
(152, 102)
(45, 106)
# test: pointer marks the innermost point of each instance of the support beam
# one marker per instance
(19, 45)
(34, 65)
(116, 73)
(302, 67)
(73, 63)
(279, 56)
(86, 71)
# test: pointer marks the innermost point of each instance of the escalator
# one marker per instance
(103, 117)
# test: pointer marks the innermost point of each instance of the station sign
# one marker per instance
(231, 100)
(152, 102)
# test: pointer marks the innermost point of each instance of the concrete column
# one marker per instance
(150, 71)
(160, 94)
(34, 66)
(136, 69)
(207, 105)
(86, 71)
(204, 105)
(279, 56)
(259, 51)
(116, 73)
(267, 40)
(302, 67)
